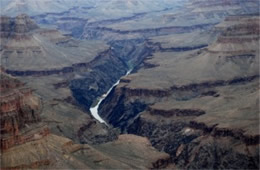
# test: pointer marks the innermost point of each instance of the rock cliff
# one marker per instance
(19, 109)
(189, 108)
(27, 143)
(193, 91)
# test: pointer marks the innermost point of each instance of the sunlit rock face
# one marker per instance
(19, 109)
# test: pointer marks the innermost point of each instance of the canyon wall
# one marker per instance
(187, 112)
(19, 109)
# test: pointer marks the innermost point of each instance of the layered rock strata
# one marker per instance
(200, 106)
(19, 109)
(27, 143)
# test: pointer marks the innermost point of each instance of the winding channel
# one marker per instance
(94, 110)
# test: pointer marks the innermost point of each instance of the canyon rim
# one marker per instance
(129, 84)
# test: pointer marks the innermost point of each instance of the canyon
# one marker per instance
(190, 101)
(189, 114)
(27, 142)
(94, 110)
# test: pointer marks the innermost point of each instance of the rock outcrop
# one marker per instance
(19, 109)
(199, 108)
(20, 24)
(27, 143)
(55, 152)
(193, 91)
(46, 58)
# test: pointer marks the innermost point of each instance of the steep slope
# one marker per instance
(42, 50)
(193, 92)
(48, 60)
(102, 13)
(176, 18)
(200, 106)
(19, 109)
(68, 74)
(27, 143)
(54, 152)
(117, 19)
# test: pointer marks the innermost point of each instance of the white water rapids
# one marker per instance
(94, 110)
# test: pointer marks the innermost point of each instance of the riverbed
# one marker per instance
(94, 110)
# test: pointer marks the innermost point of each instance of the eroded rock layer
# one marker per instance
(27, 143)
(193, 91)
(200, 106)
(55, 152)
(52, 63)
(19, 109)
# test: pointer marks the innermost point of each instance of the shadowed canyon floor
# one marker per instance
(26, 141)
(210, 106)
(190, 102)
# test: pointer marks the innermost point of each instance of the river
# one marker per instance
(94, 110)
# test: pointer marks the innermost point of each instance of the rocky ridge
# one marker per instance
(19, 108)
(26, 141)
(188, 114)
(74, 84)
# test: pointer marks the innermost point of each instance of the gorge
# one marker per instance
(94, 109)
(129, 84)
